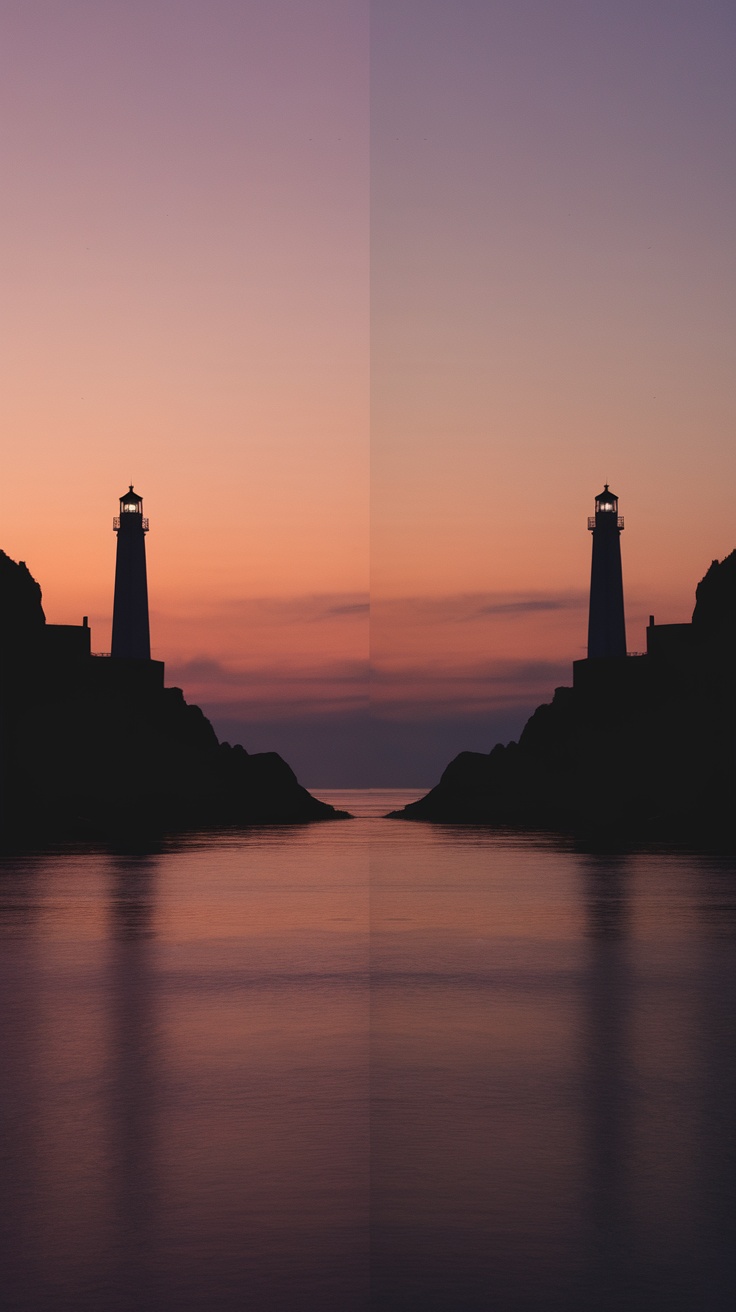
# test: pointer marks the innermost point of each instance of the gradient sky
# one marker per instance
(185, 304)
(191, 214)
(553, 203)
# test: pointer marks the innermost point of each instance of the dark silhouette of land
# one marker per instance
(97, 746)
(639, 747)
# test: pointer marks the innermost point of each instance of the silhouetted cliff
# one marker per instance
(98, 746)
(639, 746)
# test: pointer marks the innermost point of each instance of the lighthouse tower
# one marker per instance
(130, 633)
(606, 624)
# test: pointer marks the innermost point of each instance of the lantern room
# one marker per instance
(131, 503)
(131, 513)
(606, 502)
(606, 511)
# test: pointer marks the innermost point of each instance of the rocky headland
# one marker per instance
(92, 746)
(640, 747)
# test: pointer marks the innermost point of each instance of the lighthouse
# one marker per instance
(130, 632)
(606, 623)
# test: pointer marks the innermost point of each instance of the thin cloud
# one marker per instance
(314, 608)
(464, 608)
(409, 679)
(296, 710)
(350, 608)
(203, 670)
(267, 612)
(520, 673)
(532, 605)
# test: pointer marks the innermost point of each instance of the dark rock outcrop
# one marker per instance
(639, 747)
(97, 746)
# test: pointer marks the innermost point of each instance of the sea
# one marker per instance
(367, 1064)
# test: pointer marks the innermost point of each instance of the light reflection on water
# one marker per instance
(186, 1082)
(553, 1076)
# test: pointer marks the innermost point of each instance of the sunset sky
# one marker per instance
(236, 269)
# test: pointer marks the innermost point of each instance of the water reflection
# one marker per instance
(714, 1058)
(183, 1114)
(21, 1025)
(554, 1077)
(19, 895)
(185, 1076)
(660, 1081)
(132, 1108)
(605, 1065)
(132, 896)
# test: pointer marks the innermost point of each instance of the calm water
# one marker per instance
(205, 1105)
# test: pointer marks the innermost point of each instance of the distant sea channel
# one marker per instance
(367, 1064)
